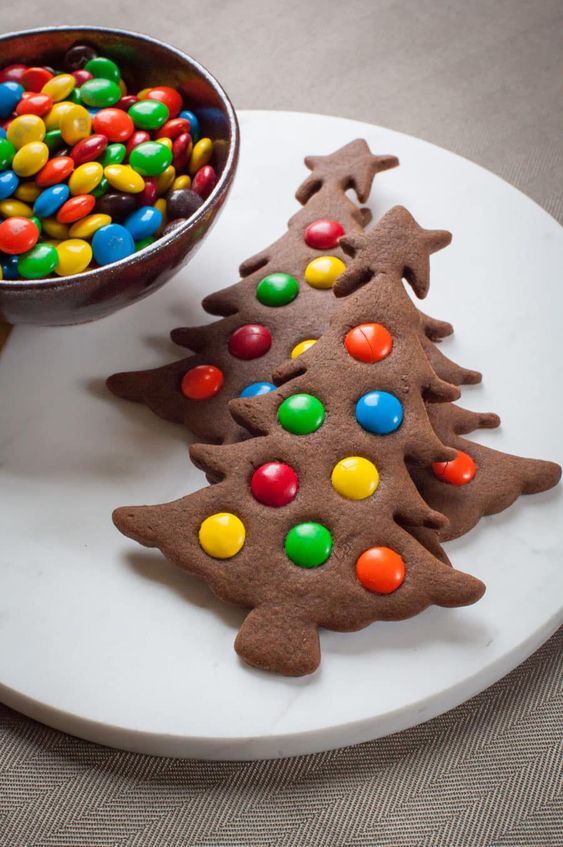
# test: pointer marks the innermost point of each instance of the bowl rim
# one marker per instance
(190, 223)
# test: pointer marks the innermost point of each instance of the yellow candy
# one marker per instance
(54, 117)
(24, 129)
(166, 179)
(1, 273)
(143, 93)
(182, 181)
(59, 87)
(201, 155)
(74, 257)
(15, 209)
(27, 191)
(55, 229)
(124, 178)
(302, 346)
(324, 271)
(76, 124)
(222, 535)
(86, 227)
(123, 87)
(355, 478)
(161, 206)
(30, 158)
(166, 141)
(85, 178)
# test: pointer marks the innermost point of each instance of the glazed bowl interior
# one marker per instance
(144, 62)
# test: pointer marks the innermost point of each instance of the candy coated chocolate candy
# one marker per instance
(55, 171)
(124, 178)
(182, 203)
(194, 130)
(10, 266)
(81, 76)
(74, 256)
(115, 124)
(171, 98)
(8, 184)
(459, 471)
(78, 56)
(143, 222)
(75, 125)
(323, 234)
(111, 243)
(85, 178)
(34, 104)
(117, 205)
(274, 484)
(202, 382)
(301, 414)
(31, 157)
(379, 412)
(277, 289)
(150, 158)
(204, 181)
(100, 93)
(12, 73)
(148, 114)
(149, 193)
(75, 208)
(181, 150)
(17, 235)
(380, 570)
(250, 341)
(7, 153)
(53, 139)
(201, 155)
(24, 129)
(308, 544)
(355, 478)
(368, 342)
(38, 262)
(102, 68)
(88, 149)
(59, 87)
(173, 128)
(222, 535)
(323, 271)
(50, 200)
(114, 153)
(165, 180)
(10, 96)
(28, 192)
(257, 389)
(138, 137)
(302, 347)
(35, 78)
(86, 227)
(11, 208)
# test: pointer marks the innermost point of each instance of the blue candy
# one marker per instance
(143, 222)
(10, 267)
(194, 123)
(2, 132)
(379, 412)
(257, 389)
(10, 96)
(51, 200)
(9, 181)
(112, 243)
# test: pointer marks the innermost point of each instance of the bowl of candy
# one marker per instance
(117, 153)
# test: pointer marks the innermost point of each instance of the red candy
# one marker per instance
(274, 484)
(202, 382)
(81, 76)
(380, 569)
(12, 73)
(115, 124)
(56, 170)
(168, 96)
(126, 102)
(323, 234)
(173, 128)
(181, 151)
(34, 104)
(88, 149)
(250, 341)
(75, 208)
(459, 471)
(368, 342)
(17, 235)
(35, 78)
(204, 181)
(138, 137)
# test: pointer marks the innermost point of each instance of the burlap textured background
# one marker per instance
(481, 77)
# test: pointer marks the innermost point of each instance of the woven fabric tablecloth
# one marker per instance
(482, 79)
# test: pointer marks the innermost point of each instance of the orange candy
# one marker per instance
(56, 170)
(75, 208)
(380, 569)
(459, 471)
(202, 382)
(369, 342)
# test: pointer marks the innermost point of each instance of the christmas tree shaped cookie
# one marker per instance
(307, 522)
(281, 304)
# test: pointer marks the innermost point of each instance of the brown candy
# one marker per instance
(182, 203)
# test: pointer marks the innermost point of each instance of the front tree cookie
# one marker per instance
(307, 522)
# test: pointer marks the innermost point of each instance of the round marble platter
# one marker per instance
(108, 641)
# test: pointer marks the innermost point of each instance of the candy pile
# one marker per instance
(90, 173)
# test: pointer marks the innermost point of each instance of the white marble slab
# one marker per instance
(106, 640)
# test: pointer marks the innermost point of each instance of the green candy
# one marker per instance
(114, 154)
(102, 68)
(100, 189)
(7, 153)
(74, 96)
(37, 222)
(277, 289)
(53, 139)
(145, 242)
(301, 414)
(147, 114)
(150, 158)
(38, 262)
(100, 92)
(308, 545)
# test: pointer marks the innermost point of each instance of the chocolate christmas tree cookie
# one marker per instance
(314, 520)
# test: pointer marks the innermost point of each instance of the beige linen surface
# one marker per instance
(483, 78)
